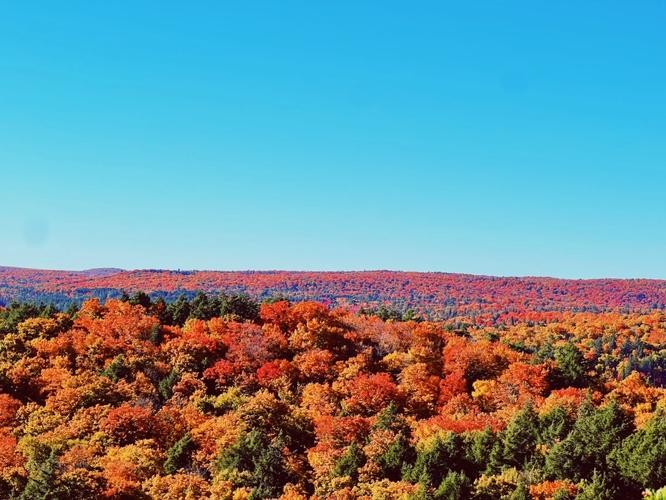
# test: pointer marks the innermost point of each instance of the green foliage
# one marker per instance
(42, 469)
(520, 438)
(446, 453)
(555, 426)
(521, 492)
(203, 307)
(178, 454)
(17, 313)
(479, 447)
(72, 309)
(178, 311)
(641, 458)
(571, 365)
(659, 494)
(390, 418)
(454, 486)
(140, 298)
(167, 383)
(255, 461)
(350, 461)
(383, 312)
(240, 305)
(587, 447)
(563, 494)
(412, 315)
(156, 335)
(117, 369)
(398, 456)
(596, 488)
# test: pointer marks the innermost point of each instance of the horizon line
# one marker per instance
(348, 271)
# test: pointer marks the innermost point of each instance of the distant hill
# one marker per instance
(438, 295)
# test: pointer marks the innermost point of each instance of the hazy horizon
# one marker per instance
(369, 270)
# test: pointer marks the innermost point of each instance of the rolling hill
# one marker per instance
(438, 295)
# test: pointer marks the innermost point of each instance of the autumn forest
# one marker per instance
(225, 396)
(333, 250)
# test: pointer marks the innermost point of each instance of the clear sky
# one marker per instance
(508, 138)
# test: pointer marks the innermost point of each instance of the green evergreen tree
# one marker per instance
(42, 469)
(156, 335)
(554, 426)
(240, 305)
(350, 461)
(167, 383)
(142, 299)
(117, 369)
(520, 437)
(595, 489)
(255, 461)
(641, 458)
(445, 454)
(178, 311)
(495, 461)
(178, 454)
(72, 309)
(16, 313)
(587, 447)
(479, 446)
(202, 307)
(454, 486)
(571, 365)
(394, 460)
(521, 492)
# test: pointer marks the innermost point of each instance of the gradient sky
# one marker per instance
(508, 138)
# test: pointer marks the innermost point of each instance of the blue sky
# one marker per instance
(508, 138)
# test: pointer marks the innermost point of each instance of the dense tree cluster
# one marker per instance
(220, 397)
(441, 296)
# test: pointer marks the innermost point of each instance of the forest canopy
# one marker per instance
(219, 396)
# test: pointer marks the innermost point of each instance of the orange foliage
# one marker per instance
(127, 424)
(371, 393)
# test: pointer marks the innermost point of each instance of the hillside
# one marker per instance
(298, 401)
(439, 295)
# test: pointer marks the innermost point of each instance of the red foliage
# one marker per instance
(273, 370)
(277, 313)
(126, 424)
(8, 408)
(338, 432)
(221, 372)
(371, 393)
(451, 385)
(9, 457)
(486, 299)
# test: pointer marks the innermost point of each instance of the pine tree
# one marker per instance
(571, 364)
(350, 461)
(398, 454)
(521, 492)
(444, 454)
(178, 454)
(520, 437)
(641, 458)
(453, 487)
(588, 446)
(595, 489)
(42, 468)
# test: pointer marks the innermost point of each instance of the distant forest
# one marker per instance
(436, 296)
